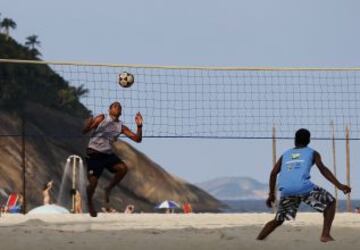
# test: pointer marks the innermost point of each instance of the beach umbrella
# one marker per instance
(49, 209)
(168, 204)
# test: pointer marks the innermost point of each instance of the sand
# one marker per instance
(172, 231)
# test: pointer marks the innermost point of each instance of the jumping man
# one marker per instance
(99, 152)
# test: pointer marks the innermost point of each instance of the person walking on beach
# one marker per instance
(187, 209)
(46, 193)
(293, 169)
(78, 203)
(106, 129)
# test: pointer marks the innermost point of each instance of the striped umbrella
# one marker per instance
(168, 204)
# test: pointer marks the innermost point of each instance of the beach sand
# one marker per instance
(172, 231)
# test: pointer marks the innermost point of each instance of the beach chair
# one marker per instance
(11, 204)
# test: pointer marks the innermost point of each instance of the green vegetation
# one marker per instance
(32, 42)
(22, 83)
(7, 24)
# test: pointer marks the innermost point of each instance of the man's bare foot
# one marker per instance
(326, 238)
(92, 211)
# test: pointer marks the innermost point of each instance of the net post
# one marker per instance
(347, 136)
(23, 160)
(334, 161)
(73, 184)
(274, 159)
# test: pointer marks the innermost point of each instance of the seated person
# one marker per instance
(129, 209)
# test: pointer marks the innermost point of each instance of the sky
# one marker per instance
(322, 33)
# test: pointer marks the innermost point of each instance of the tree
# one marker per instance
(7, 24)
(81, 91)
(32, 42)
(66, 97)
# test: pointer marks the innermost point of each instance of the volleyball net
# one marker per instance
(196, 102)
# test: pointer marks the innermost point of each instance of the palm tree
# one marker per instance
(32, 41)
(81, 91)
(7, 24)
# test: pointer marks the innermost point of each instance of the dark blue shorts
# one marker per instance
(96, 163)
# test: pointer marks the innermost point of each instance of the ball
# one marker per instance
(126, 79)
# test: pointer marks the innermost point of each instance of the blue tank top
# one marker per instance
(103, 136)
(294, 176)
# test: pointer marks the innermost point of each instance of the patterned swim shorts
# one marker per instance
(318, 198)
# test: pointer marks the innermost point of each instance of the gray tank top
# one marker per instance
(103, 136)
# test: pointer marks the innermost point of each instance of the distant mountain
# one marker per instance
(235, 188)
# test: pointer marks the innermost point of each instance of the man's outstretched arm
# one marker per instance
(328, 175)
(137, 137)
(272, 182)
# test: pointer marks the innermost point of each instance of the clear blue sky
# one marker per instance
(200, 32)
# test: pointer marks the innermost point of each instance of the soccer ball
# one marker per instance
(126, 79)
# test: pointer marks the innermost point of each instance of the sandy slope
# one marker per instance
(176, 231)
